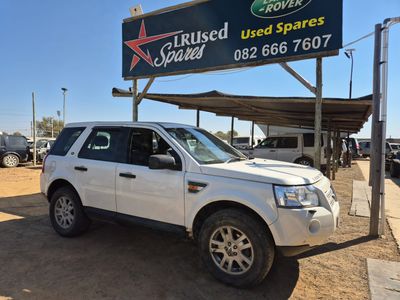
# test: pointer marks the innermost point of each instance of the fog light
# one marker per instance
(314, 226)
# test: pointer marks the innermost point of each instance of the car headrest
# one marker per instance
(101, 141)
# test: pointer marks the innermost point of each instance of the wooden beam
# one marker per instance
(145, 90)
(318, 116)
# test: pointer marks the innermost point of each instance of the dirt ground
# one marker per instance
(115, 262)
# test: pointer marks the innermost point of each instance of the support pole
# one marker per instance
(338, 150)
(329, 151)
(198, 118)
(376, 139)
(34, 128)
(232, 129)
(134, 100)
(334, 155)
(348, 155)
(318, 117)
(252, 135)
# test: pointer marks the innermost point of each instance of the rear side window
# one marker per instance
(65, 140)
(2, 143)
(287, 142)
(106, 144)
(309, 140)
(16, 141)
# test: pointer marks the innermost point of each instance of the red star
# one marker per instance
(142, 40)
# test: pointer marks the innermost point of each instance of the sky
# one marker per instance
(49, 44)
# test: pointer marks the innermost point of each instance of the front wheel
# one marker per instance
(66, 213)
(236, 248)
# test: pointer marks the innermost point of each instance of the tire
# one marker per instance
(66, 213)
(10, 161)
(305, 161)
(259, 252)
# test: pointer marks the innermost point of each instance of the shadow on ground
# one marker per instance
(111, 262)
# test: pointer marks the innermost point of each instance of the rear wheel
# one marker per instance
(66, 213)
(10, 161)
(305, 161)
(237, 249)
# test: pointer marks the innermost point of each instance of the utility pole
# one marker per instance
(64, 90)
(52, 127)
(375, 164)
(34, 128)
(349, 54)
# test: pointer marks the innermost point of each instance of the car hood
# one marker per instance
(263, 170)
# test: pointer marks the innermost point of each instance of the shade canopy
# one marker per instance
(342, 114)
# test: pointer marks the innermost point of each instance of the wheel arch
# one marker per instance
(59, 183)
(215, 206)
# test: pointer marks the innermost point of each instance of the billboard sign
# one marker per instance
(220, 34)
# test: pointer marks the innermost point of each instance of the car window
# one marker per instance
(269, 143)
(287, 142)
(2, 143)
(145, 143)
(105, 144)
(65, 140)
(16, 141)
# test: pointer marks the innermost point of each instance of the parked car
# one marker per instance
(395, 165)
(13, 150)
(183, 179)
(296, 148)
(365, 148)
(43, 146)
(244, 142)
(354, 147)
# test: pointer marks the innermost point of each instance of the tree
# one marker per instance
(225, 136)
(45, 126)
(17, 133)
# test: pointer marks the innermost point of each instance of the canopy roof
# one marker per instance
(344, 114)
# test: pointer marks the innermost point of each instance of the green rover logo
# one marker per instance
(270, 9)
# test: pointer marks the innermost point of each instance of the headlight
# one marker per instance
(296, 196)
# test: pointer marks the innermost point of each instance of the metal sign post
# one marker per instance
(318, 117)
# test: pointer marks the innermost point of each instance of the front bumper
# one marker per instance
(305, 227)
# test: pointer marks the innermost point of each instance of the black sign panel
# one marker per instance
(221, 34)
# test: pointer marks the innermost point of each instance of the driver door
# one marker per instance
(267, 149)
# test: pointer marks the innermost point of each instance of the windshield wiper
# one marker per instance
(235, 158)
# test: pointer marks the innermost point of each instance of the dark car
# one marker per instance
(13, 150)
(395, 165)
(354, 147)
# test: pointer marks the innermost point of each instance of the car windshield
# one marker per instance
(204, 147)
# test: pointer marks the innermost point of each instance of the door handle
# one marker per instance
(127, 175)
(272, 151)
(82, 169)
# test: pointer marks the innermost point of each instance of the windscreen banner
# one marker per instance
(220, 34)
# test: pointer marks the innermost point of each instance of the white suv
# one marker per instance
(296, 148)
(183, 179)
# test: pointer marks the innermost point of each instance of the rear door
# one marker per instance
(96, 165)
(266, 149)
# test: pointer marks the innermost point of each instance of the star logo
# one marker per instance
(143, 40)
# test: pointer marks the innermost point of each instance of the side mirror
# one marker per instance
(162, 162)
